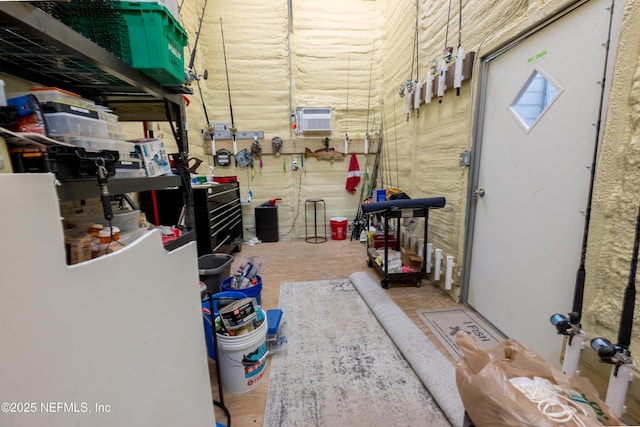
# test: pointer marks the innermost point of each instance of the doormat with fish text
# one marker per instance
(446, 322)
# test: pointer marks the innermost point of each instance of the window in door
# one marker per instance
(534, 99)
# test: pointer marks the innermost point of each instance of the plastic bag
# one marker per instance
(490, 399)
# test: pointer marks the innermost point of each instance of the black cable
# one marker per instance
(295, 218)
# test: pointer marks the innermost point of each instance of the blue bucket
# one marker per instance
(251, 292)
(381, 195)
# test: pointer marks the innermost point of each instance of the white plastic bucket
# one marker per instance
(243, 359)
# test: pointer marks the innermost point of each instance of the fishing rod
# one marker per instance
(190, 71)
(570, 325)
(359, 220)
(442, 65)
(233, 128)
(457, 75)
(618, 354)
(370, 182)
(346, 134)
(417, 84)
(366, 134)
(193, 75)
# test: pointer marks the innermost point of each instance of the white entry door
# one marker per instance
(536, 143)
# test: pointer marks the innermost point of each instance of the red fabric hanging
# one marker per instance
(353, 176)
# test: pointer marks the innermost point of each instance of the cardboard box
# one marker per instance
(238, 314)
(154, 156)
(410, 258)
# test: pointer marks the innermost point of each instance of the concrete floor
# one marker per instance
(294, 260)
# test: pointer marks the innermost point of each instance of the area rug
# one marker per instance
(446, 322)
(340, 368)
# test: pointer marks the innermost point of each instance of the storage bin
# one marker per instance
(254, 291)
(59, 124)
(212, 268)
(126, 221)
(157, 41)
(126, 150)
(68, 107)
(171, 5)
(53, 94)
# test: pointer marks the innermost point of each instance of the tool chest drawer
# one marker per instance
(218, 218)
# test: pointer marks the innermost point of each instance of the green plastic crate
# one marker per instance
(157, 41)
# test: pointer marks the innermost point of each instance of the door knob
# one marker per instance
(479, 192)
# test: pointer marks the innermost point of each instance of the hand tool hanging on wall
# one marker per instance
(570, 325)
(618, 354)
(276, 145)
(256, 151)
(457, 75)
(233, 127)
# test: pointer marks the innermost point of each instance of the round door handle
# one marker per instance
(479, 192)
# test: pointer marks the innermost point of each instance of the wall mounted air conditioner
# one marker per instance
(314, 119)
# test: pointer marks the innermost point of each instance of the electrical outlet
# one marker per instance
(465, 158)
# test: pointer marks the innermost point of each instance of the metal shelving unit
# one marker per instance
(37, 47)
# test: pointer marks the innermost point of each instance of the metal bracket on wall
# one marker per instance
(221, 131)
(465, 158)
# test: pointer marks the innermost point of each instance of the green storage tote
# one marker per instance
(157, 41)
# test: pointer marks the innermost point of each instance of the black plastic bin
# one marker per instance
(213, 269)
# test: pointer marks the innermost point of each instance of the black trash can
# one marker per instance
(213, 269)
(267, 223)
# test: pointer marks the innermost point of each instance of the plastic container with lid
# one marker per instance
(71, 124)
(95, 229)
(105, 235)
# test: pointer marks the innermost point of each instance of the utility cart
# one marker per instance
(396, 209)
